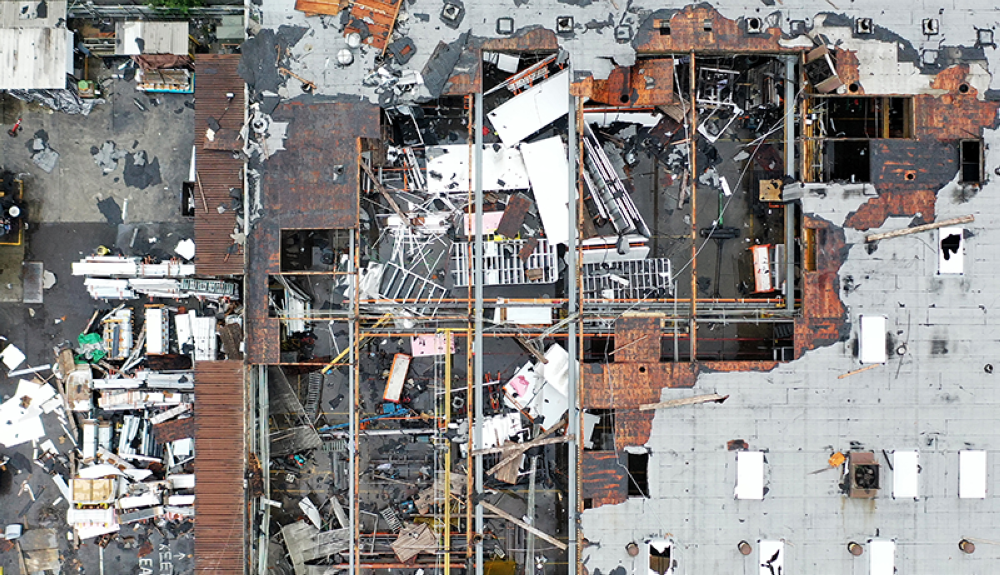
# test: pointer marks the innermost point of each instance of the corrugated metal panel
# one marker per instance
(33, 59)
(220, 464)
(218, 171)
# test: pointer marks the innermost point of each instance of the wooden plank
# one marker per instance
(709, 398)
(523, 525)
(917, 229)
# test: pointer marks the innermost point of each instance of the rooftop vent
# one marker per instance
(505, 26)
(564, 24)
(862, 475)
(755, 25)
(864, 26)
(931, 26)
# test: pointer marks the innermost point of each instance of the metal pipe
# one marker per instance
(571, 340)
(477, 345)
(692, 136)
(263, 417)
(790, 172)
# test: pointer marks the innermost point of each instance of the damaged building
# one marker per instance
(574, 287)
(543, 301)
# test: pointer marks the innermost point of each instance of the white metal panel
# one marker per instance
(397, 376)
(155, 324)
(448, 169)
(905, 468)
(548, 171)
(532, 110)
(182, 481)
(772, 557)
(750, 475)
(951, 261)
(605, 118)
(882, 557)
(523, 315)
(972, 474)
(871, 344)
(33, 58)
(155, 38)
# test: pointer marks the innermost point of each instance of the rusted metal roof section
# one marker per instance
(703, 29)
(217, 170)
(637, 339)
(650, 82)
(603, 479)
(220, 498)
(311, 184)
(174, 430)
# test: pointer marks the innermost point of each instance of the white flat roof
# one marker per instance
(34, 58)
(905, 467)
(25, 14)
(548, 170)
(145, 37)
(882, 557)
(532, 109)
(972, 474)
(871, 344)
(750, 475)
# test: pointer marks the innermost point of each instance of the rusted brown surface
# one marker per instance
(893, 203)
(907, 175)
(513, 216)
(650, 82)
(174, 430)
(848, 67)
(311, 184)
(637, 339)
(824, 317)
(629, 385)
(687, 33)
(953, 116)
(632, 427)
(534, 40)
(217, 171)
(220, 500)
(603, 479)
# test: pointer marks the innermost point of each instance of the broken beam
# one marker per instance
(385, 194)
(530, 348)
(865, 368)
(711, 397)
(917, 229)
(522, 447)
(538, 533)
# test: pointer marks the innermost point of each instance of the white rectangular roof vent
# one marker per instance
(972, 474)
(750, 475)
(871, 344)
(882, 554)
(905, 467)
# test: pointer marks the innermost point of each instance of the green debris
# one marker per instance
(91, 348)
